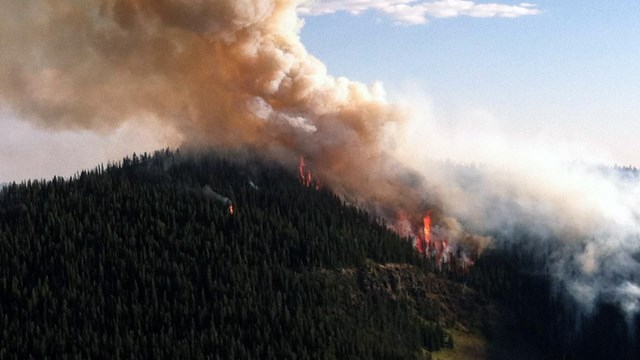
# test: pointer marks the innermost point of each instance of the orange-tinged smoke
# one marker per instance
(221, 73)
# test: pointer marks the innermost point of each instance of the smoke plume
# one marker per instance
(207, 191)
(230, 73)
(234, 73)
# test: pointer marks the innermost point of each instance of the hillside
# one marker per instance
(147, 259)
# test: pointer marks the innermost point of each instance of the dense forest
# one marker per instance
(144, 259)
(206, 256)
(545, 314)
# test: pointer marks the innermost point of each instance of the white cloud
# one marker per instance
(416, 11)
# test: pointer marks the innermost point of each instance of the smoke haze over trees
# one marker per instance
(139, 259)
(235, 74)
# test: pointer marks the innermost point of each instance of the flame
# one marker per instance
(301, 170)
(306, 178)
(423, 243)
(426, 230)
(231, 209)
(434, 240)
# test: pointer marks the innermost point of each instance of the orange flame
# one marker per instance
(426, 229)
(301, 171)
(231, 209)
(305, 175)
(433, 242)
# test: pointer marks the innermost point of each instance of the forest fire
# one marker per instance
(423, 242)
(305, 175)
(306, 178)
(221, 198)
(426, 228)
(235, 75)
(441, 239)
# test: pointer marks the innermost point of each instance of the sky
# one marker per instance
(565, 71)
(569, 72)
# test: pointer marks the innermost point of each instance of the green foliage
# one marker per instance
(137, 260)
(546, 316)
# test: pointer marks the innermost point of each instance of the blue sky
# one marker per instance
(571, 72)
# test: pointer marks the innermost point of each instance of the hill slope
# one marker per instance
(144, 259)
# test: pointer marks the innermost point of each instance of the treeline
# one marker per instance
(138, 260)
(544, 314)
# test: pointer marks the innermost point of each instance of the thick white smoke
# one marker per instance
(234, 73)
(582, 216)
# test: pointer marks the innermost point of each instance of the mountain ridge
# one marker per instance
(137, 259)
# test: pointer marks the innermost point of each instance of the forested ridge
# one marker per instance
(142, 259)
(544, 315)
